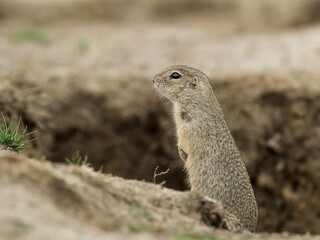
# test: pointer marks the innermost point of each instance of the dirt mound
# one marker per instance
(54, 201)
(81, 197)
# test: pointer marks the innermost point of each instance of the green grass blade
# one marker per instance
(12, 137)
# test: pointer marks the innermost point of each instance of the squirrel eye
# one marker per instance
(175, 75)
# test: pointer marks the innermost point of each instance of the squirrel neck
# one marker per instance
(205, 109)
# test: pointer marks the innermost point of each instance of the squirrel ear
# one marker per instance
(194, 82)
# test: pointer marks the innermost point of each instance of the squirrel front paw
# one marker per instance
(183, 155)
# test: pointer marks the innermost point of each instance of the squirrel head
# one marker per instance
(182, 83)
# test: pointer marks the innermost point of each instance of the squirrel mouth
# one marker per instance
(155, 82)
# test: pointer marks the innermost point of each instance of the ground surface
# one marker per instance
(81, 75)
(77, 203)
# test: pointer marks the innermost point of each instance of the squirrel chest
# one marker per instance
(183, 120)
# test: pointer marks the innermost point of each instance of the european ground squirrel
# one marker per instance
(212, 160)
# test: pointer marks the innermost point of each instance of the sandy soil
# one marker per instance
(76, 203)
(83, 80)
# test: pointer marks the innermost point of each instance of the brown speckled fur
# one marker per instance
(213, 161)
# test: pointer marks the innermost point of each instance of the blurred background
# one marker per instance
(79, 72)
